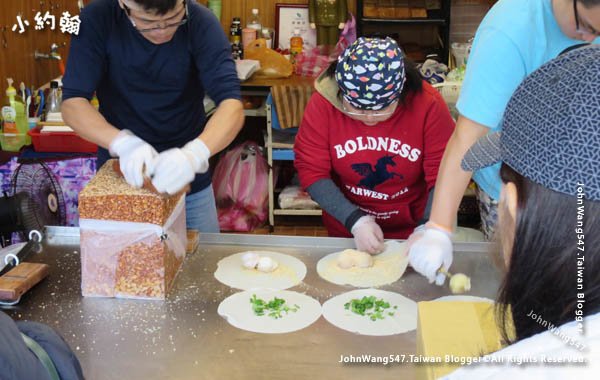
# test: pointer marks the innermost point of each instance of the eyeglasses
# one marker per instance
(583, 29)
(389, 111)
(165, 26)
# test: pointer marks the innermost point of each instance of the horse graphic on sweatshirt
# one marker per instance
(373, 176)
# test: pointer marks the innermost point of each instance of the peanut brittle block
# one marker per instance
(109, 197)
(133, 241)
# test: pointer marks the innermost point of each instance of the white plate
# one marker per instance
(387, 268)
(290, 272)
(403, 320)
(237, 310)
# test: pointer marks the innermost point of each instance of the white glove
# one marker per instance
(368, 236)
(136, 157)
(313, 25)
(175, 168)
(430, 250)
(341, 25)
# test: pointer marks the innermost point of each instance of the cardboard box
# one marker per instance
(402, 12)
(418, 13)
(454, 332)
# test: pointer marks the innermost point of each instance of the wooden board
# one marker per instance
(20, 279)
(193, 239)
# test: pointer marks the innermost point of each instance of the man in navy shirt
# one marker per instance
(151, 62)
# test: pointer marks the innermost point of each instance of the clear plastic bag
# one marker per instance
(293, 197)
(241, 192)
(132, 260)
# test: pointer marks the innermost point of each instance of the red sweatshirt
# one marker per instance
(387, 169)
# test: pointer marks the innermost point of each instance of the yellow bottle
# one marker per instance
(14, 120)
(296, 43)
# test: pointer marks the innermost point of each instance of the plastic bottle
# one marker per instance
(254, 22)
(14, 120)
(235, 38)
(248, 36)
(296, 44)
(266, 34)
(53, 104)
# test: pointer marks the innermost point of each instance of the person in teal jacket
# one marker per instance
(515, 38)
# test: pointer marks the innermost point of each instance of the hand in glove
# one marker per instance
(175, 168)
(429, 249)
(368, 236)
(136, 157)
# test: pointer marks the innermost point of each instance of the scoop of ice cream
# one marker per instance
(250, 260)
(460, 283)
(352, 258)
(266, 264)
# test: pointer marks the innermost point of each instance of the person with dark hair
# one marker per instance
(151, 62)
(513, 40)
(370, 144)
(31, 350)
(549, 221)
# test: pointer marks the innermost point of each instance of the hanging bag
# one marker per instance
(241, 192)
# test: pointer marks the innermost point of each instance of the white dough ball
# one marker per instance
(266, 264)
(363, 260)
(250, 260)
(345, 260)
(352, 258)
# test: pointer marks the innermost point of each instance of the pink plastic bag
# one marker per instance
(313, 62)
(240, 184)
(349, 31)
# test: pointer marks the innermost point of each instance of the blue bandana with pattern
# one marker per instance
(370, 73)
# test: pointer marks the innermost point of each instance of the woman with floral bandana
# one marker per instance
(370, 144)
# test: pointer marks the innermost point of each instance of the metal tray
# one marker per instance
(184, 337)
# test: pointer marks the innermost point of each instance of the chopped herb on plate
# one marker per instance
(274, 308)
(370, 307)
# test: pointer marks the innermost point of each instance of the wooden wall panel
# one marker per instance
(17, 57)
(243, 9)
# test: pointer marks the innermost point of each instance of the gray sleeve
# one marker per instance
(427, 212)
(326, 193)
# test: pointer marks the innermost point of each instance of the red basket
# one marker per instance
(60, 142)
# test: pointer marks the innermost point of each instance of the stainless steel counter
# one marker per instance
(184, 338)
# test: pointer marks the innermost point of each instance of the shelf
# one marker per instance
(282, 139)
(408, 21)
(297, 212)
(256, 112)
(282, 155)
(436, 24)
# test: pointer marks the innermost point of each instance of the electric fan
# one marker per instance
(34, 200)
